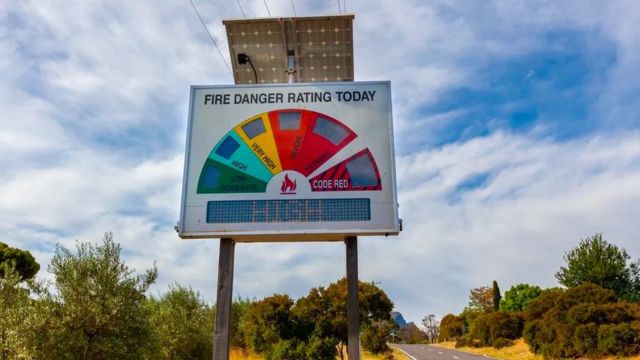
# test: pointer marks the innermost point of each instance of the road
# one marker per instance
(429, 352)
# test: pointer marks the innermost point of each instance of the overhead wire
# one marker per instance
(213, 40)
(267, 6)
(339, 7)
(294, 8)
(241, 9)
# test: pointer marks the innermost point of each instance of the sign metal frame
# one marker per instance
(320, 231)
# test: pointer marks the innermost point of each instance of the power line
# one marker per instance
(294, 8)
(344, 5)
(267, 6)
(339, 7)
(210, 36)
(241, 9)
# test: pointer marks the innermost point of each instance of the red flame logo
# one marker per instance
(288, 186)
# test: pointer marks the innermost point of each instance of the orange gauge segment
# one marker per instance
(357, 173)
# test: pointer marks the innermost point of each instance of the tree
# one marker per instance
(102, 302)
(267, 322)
(376, 335)
(239, 309)
(431, 327)
(324, 310)
(14, 309)
(20, 260)
(182, 325)
(481, 299)
(518, 296)
(411, 334)
(451, 327)
(496, 296)
(596, 261)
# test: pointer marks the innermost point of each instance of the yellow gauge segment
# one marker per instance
(257, 133)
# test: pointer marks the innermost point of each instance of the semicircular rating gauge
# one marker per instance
(254, 151)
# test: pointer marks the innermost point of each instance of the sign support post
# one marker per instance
(224, 299)
(296, 162)
(353, 313)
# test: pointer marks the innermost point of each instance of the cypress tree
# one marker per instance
(496, 296)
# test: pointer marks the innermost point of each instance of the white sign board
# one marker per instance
(289, 162)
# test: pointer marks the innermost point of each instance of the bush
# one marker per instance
(374, 338)
(322, 348)
(287, 349)
(488, 328)
(599, 314)
(619, 339)
(588, 293)
(502, 342)
(585, 339)
(451, 327)
(543, 303)
(583, 321)
(466, 341)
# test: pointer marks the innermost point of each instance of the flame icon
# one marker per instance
(288, 186)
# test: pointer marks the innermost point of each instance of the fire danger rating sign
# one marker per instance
(287, 160)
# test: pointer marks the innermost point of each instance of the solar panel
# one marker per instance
(322, 47)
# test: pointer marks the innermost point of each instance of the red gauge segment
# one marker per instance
(357, 173)
(307, 139)
(289, 129)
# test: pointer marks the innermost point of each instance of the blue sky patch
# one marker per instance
(551, 89)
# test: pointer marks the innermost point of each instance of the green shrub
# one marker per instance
(481, 331)
(322, 348)
(466, 341)
(587, 293)
(619, 339)
(582, 321)
(585, 339)
(599, 314)
(451, 327)
(532, 335)
(501, 342)
(543, 303)
(287, 349)
(488, 328)
(374, 338)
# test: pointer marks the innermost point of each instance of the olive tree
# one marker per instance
(102, 310)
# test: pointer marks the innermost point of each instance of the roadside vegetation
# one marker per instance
(97, 307)
(595, 315)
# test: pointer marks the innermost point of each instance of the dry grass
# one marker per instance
(399, 355)
(237, 354)
(519, 351)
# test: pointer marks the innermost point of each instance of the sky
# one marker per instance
(517, 132)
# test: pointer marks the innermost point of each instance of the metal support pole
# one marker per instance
(224, 299)
(353, 313)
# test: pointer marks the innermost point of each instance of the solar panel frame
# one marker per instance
(322, 46)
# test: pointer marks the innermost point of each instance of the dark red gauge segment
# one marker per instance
(307, 139)
(357, 173)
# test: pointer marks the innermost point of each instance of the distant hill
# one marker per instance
(397, 317)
